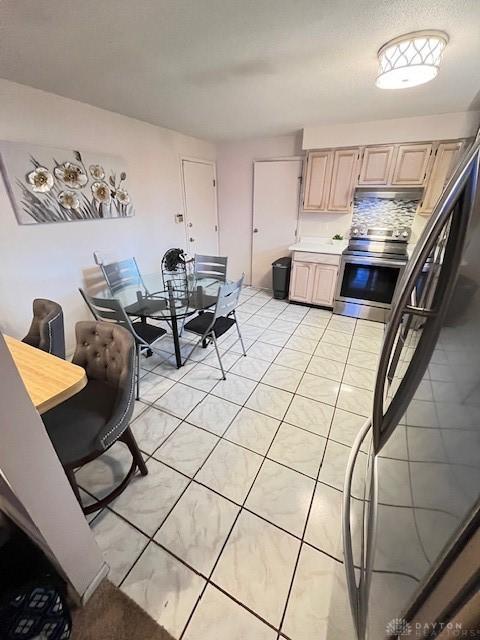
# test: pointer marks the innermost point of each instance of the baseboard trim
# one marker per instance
(92, 587)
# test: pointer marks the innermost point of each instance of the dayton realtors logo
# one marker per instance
(399, 628)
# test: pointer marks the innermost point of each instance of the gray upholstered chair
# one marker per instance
(144, 334)
(46, 331)
(210, 326)
(214, 267)
(83, 427)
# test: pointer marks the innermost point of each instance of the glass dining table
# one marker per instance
(151, 297)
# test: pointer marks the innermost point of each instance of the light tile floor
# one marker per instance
(235, 532)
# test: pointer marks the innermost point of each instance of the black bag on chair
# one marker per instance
(32, 594)
(36, 609)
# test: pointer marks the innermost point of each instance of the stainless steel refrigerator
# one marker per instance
(417, 490)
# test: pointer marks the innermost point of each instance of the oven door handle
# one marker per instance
(374, 261)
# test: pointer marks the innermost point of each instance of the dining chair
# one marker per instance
(86, 425)
(144, 334)
(46, 330)
(211, 325)
(121, 274)
(214, 267)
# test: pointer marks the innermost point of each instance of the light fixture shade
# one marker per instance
(410, 60)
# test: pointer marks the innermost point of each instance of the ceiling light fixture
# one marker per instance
(411, 59)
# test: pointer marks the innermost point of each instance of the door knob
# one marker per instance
(190, 224)
(255, 230)
(192, 239)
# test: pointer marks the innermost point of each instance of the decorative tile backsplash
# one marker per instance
(380, 212)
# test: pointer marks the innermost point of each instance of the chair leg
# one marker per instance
(204, 339)
(181, 327)
(194, 347)
(240, 335)
(129, 439)
(218, 355)
(138, 371)
(138, 462)
(73, 483)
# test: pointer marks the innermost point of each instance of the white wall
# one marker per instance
(323, 225)
(235, 193)
(49, 260)
(418, 129)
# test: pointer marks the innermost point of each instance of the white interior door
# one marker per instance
(200, 207)
(276, 191)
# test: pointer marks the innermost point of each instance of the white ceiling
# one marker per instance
(224, 69)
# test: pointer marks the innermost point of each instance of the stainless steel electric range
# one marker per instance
(370, 268)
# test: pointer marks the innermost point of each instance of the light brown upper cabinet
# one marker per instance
(344, 178)
(446, 159)
(317, 180)
(411, 164)
(331, 175)
(376, 166)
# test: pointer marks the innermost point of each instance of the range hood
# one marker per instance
(389, 193)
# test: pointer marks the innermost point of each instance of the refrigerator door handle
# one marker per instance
(370, 524)
(394, 358)
(355, 592)
(423, 312)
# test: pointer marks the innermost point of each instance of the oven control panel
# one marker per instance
(401, 234)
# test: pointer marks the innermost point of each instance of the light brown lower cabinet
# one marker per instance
(324, 282)
(301, 281)
(313, 282)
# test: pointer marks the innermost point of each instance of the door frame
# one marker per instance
(281, 159)
(213, 164)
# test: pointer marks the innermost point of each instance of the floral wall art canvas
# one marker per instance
(57, 185)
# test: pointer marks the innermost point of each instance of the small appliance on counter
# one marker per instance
(370, 268)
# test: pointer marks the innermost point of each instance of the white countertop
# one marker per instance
(320, 245)
(329, 246)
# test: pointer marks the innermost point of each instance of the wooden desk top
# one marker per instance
(49, 380)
